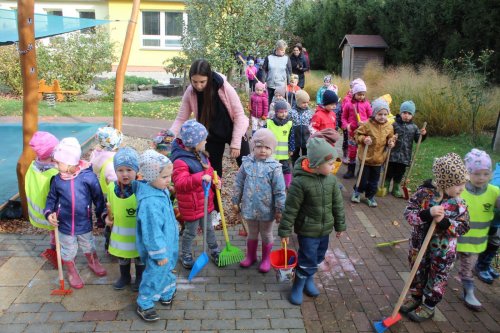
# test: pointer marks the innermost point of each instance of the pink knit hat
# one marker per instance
(358, 85)
(43, 144)
(68, 151)
(260, 85)
(476, 160)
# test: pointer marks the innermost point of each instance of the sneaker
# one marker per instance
(147, 314)
(168, 301)
(422, 313)
(484, 276)
(410, 304)
(371, 202)
(356, 197)
(345, 160)
(494, 274)
(214, 255)
(187, 261)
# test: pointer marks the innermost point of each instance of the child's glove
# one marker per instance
(444, 224)
(263, 117)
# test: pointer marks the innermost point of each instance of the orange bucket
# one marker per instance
(284, 262)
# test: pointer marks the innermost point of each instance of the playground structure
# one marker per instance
(54, 88)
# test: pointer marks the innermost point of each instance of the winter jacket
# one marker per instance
(299, 64)
(98, 158)
(278, 70)
(380, 134)
(322, 119)
(259, 105)
(187, 182)
(290, 95)
(301, 119)
(407, 133)
(229, 98)
(349, 114)
(321, 91)
(260, 187)
(157, 232)
(251, 72)
(314, 204)
(72, 201)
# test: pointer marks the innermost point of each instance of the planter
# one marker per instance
(168, 90)
(176, 81)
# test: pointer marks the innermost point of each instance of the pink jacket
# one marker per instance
(251, 72)
(98, 158)
(259, 106)
(229, 97)
(349, 115)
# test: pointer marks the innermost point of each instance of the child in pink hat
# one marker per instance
(259, 106)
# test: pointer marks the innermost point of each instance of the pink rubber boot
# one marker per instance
(75, 281)
(265, 264)
(288, 179)
(251, 253)
(94, 264)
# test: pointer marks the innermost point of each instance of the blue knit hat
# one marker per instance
(280, 105)
(192, 133)
(330, 97)
(126, 157)
(408, 106)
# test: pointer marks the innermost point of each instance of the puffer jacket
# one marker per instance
(349, 114)
(323, 119)
(380, 134)
(188, 184)
(301, 119)
(407, 133)
(260, 187)
(72, 201)
(314, 204)
(259, 105)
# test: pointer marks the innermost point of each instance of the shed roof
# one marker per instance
(367, 41)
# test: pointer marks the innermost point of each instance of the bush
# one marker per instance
(10, 70)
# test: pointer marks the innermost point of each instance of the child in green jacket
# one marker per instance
(314, 207)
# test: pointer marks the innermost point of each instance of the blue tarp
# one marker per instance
(45, 25)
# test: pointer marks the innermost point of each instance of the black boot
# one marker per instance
(124, 279)
(351, 168)
(139, 269)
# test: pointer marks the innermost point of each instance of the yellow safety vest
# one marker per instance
(122, 240)
(481, 213)
(102, 176)
(37, 186)
(281, 133)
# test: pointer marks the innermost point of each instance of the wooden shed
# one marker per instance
(357, 50)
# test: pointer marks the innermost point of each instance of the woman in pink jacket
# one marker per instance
(215, 104)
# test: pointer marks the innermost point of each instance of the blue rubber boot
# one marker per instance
(493, 272)
(469, 298)
(297, 289)
(310, 288)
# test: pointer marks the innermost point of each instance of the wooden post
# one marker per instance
(27, 56)
(122, 66)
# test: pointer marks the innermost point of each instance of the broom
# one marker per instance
(406, 191)
(230, 254)
(382, 190)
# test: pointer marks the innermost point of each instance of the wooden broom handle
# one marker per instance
(365, 151)
(415, 155)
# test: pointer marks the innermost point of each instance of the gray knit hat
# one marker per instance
(151, 163)
(378, 105)
(264, 137)
(319, 151)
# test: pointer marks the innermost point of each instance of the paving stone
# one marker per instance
(19, 271)
(32, 317)
(267, 313)
(66, 316)
(43, 328)
(9, 294)
(97, 298)
(287, 323)
(100, 315)
(141, 325)
(234, 314)
(116, 325)
(83, 326)
(25, 307)
(220, 305)
(197, 314)
(40, 288)
(12, 328)
(184, 325)
(251, 304)
(253, 324)
(217, 324)
(52, 307)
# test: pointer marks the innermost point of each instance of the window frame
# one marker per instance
(162, 37)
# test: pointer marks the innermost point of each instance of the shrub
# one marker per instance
(10, 69)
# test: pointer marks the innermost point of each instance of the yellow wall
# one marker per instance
(140, 59)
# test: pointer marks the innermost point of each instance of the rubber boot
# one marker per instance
(288, 179)
(297, 289)
(75, 281)
(485, 260)
(396, 190)
(94, 264)
(469, 298)
(310, 288)
(139, 269)
(251, 256)
(387, 185)
(124, 278)
(351, 168)
(265, 264)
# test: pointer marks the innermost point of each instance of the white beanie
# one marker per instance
(68, 151)
(151, 163)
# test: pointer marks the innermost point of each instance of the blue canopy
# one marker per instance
(45, 25)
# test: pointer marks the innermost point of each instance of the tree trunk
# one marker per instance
(496, 137)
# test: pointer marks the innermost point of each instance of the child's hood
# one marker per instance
(179, 151)
(299, 171)
(143, 190)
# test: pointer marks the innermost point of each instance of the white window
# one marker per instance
(87, 15)
(162, 30)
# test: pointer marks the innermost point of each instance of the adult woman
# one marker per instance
(216, 105)
(278, 68)
(299, 64)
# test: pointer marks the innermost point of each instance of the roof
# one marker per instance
(368, 41)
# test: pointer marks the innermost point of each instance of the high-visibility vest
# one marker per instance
(102, 176)
(481, 213)
(122, 240)
(281, 133)
(37, 186)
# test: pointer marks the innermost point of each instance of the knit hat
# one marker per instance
(280, 105)
(319, 151)
(329, 134)
(449, 170)
(126, 157)
(378, 105)
(68, 151)
(327, 79)
(358, 85)
(280, 90)
(476, 160)
(151, 163)
(43, 144)
(263, 137)
(330, 97)
(250, 62)
(294, 77)
(260, 85)
(407, 106)
(192, 133)
(163, 140)
(109, 138)
(302, 96)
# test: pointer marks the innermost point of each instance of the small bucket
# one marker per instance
(284, 262)
(336, 165)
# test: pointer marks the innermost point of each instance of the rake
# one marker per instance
(230, 254)
(61, 290)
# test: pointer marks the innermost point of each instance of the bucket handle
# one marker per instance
(286, 254)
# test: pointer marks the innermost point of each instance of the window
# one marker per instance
(162, 30)
(56, 12)
(87, 15)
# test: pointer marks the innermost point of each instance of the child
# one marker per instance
(122, 217)
(162, 142)
(324, 117)
(279, 95)
(191, 168)
(301, 117)
(327, 85)
(374, 135)
(292, 89)
(439, 201)
(157, 234)
(314, 206)
(481, 198)
(260, 189)
(259, 106)
(68, 207)
(37, 182)
(407, 132)
(260, 71)
(281, 127)
(251, 73)
(355, 111)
